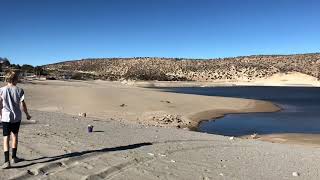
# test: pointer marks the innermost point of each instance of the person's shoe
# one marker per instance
(16, 160)
(6, 165)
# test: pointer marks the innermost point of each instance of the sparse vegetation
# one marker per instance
(25, 68)
(178, 69)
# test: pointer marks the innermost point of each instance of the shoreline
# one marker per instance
(303, 139)
(185, 84)
(130, 104)
(58, 146)
(219, 114)
(213, 115)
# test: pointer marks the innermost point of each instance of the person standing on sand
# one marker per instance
(11, 102)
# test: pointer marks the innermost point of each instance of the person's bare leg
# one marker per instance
(14, 140)
(6, 143)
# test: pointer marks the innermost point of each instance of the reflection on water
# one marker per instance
(301, 110)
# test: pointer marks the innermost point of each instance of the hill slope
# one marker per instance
(245, 68)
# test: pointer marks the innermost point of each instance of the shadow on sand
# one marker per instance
(97, 131)
(80, 155)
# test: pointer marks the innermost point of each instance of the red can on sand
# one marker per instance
(90, 128)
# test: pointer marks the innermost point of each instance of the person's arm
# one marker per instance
(25, 110)
(1, 106)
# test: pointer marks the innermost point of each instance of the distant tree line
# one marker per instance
(25, 68)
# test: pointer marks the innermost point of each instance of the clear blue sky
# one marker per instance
(45, 31)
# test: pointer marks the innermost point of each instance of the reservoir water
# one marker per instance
(300, 114)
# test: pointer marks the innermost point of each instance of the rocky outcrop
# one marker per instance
(176, 69)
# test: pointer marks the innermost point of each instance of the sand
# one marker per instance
(57, 146)
(295, 79)
(130, 103)
(288, 79)
(126, 144)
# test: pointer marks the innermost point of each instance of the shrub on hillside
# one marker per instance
(76, 76)
(147, 74)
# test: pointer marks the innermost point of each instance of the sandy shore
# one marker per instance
(124, 145)
(57, 146)
(294, 79)
(113, 100)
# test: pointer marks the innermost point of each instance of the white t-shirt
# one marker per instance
(11, 96)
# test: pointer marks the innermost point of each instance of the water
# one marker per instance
(301, 110)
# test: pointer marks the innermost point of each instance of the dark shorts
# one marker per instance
(10, 127)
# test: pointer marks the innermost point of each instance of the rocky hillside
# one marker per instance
(168, 69)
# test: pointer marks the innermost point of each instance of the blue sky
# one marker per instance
(45, 31)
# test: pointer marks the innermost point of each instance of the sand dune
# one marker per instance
(289, 79)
